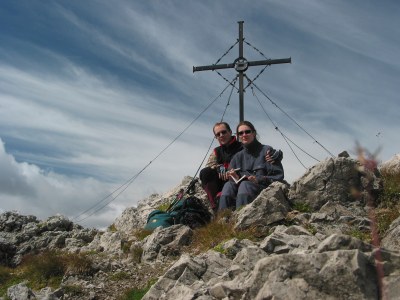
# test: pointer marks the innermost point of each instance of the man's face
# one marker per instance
(222, 134)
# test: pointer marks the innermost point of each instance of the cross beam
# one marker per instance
(241, 65)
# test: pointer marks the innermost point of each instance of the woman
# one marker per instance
(250, 164)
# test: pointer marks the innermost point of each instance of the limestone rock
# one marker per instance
(391, 241)
(392, 166)
(166, 242)
(269, 207)
(334, 179)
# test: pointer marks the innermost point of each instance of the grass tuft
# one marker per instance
(220, 230)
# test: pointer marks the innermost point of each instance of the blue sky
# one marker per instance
(92, 91)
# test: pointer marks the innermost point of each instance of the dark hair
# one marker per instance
(247, 123)
(222, 123)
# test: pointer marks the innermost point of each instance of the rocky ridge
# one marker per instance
(310, 252)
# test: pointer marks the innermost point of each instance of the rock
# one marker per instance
(342, 242)
(391, 240)
(282, 241)
(20, 235)
(336, 180)
(166, 242)
(108, 242)
(342, 274)
(269, 207)
(392, 166)
(20, 292)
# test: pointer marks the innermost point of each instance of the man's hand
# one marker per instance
(273, 156)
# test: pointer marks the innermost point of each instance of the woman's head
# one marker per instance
(246, 132)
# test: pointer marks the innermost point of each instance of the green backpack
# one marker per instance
(189, 211)
(159, 218)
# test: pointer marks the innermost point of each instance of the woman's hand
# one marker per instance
(231, 173)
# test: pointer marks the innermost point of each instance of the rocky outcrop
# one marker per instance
(336, 180)
(311, 251)
(338, 267)
(20, 235)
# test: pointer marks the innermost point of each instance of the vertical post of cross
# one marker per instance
(241, 91)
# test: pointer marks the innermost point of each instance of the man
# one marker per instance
(213, 176)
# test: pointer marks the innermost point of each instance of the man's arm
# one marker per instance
(212, 160)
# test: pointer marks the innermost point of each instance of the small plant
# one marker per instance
(141, 234)
(77, 264)
(365, 236)
(112, 228)
(219, 248)
(137, 252)
(163, 207)
(311, 228)
(302, 207)
(126, 246)
(73, 290)
(137, 294)
(119, 276)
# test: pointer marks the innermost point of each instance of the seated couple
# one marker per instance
(259, 164)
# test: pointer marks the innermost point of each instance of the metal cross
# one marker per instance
(241, 65)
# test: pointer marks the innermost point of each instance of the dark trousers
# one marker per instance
(211, 184)
(236, 195)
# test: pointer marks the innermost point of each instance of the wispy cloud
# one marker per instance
(91, 94)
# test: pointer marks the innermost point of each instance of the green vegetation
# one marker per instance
(137, 294)
(365, 236)
(137, 252)
(112, 228)
(389, 203)
(310, 228)
(219, 230)
(141, 233)
(119, 276)
(44, 269)
(302, 207)
(163, 207)
(73, 290)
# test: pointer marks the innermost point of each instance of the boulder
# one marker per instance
(392, 166)
(269, 207)
(391, 240)
(166, 242)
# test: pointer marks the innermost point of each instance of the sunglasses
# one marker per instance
(240, 133)
(221, 133)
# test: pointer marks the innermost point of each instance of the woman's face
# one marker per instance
(246, 135)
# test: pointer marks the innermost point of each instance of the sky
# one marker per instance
(100, 108)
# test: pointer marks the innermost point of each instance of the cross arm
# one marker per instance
(213, 67)
(270, 62)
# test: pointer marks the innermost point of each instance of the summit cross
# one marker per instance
(241, 65)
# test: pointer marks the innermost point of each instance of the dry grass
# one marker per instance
(45, 269)
(219, 230)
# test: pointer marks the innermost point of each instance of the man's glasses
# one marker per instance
(240, 133)
(221, 133)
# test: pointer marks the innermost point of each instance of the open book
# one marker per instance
(244, 177)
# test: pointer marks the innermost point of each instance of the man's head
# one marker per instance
(222, 132)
